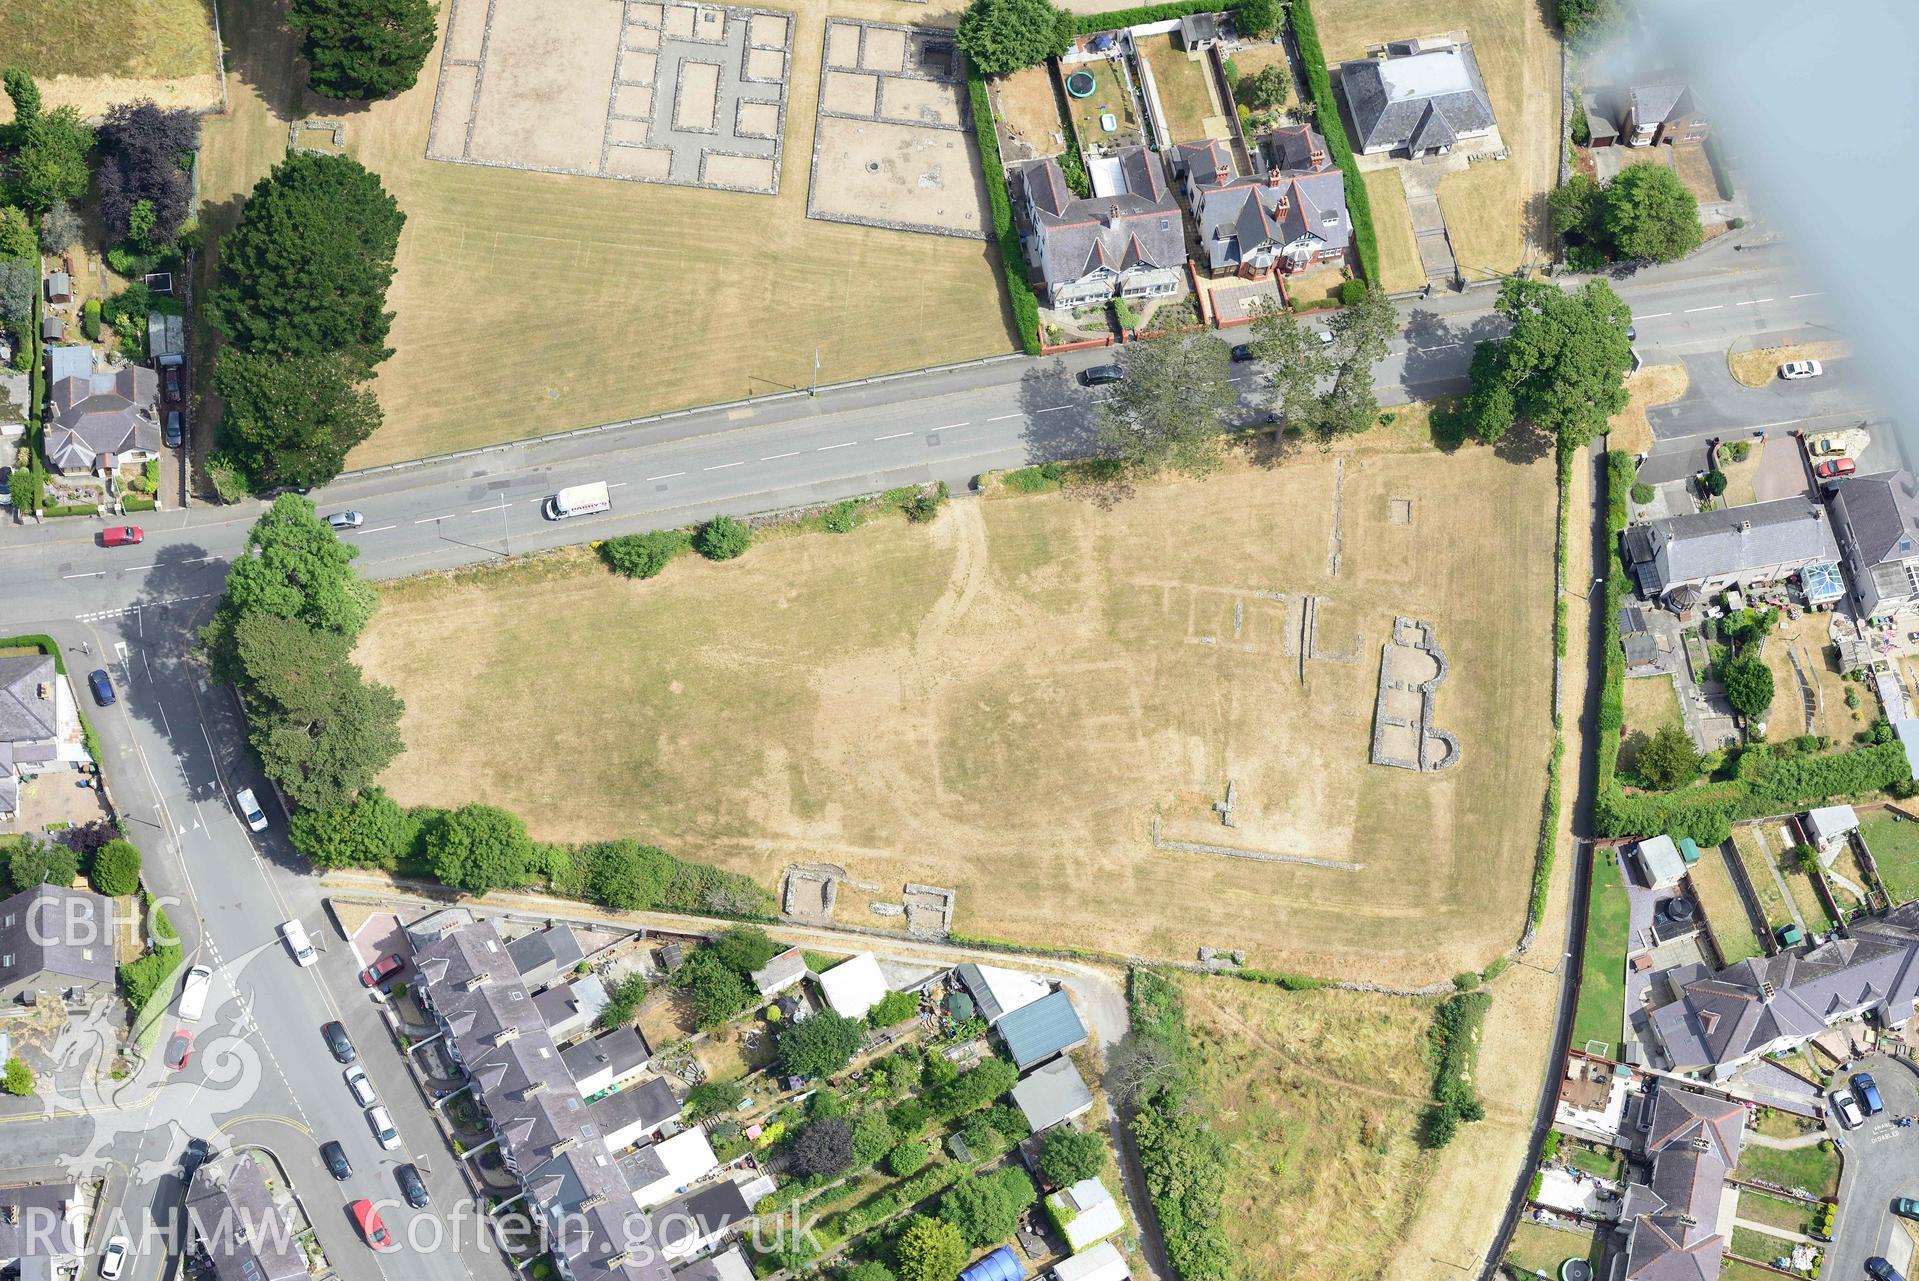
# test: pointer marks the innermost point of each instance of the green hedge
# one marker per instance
(1721, 173)
(1320, 84)
(1092, 23)
(1455, 1050)
(1005, 232)
(137, 503)
(72, 509)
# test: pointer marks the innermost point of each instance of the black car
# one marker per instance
(335, 1157)
(339, 1042)
(412, 1186)
(1880, 1270)
(195, 1156)
(1243, 352)
(1099, 374)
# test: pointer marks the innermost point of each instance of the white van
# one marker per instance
(578, 500)
(193, 993)
(297, 942)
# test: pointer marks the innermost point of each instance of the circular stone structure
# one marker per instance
(1081, 85)
(1575, 1270)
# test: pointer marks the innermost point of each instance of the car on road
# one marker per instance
(179, 1046)
(381, 970)
(1243, 351)
(113, 1259)
(1794, 370)
(122, 536)
(250, 809)
(361, 1085)
(412, 1186)
(346, 520)
(1846, 1108)
(335, 1157)
(381, 1122)
(295, 936)
(102, 686)
(196, 1154)
(193, 993)
(338, 1042)
(1835, 468)
(176, 429)
(172, 378)
(371, 1226)
(1867, 1091)
(1879, 1270)
(1099, 375)
(1906, 1208)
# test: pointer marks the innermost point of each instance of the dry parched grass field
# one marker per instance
(1003, 702)
(91, 54)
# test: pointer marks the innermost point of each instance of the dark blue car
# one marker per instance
(1868, 1092)
(101, 685)
(1880, 1270)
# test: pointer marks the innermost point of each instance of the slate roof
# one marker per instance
(728, 1265)
(243, 1232)
(1693, 1141)
(25, 717)
(1738, 1011)
(53, 930)
(1238, 217)
(1051, 1094)
(1038, 1031)
(1137, 227)
(1659, 102)
(107, 413)
(447, 959)
(783, 971)
(591, 1219)
(43, 1215)
(619, 1051)
(651, 1103)
(1298, 149)
(1729, 541)
(1880, 515)
(1208, 159)
(711, 1209)
(552, 949)
(1417, 100)
(570, 1003)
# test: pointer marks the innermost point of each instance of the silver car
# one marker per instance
(346, 520)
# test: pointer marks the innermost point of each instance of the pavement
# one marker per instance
(1882, 1164)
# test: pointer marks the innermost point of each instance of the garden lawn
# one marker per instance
(1751, 1243)
(1725, 910)
(1808, 1168)
(1754, 855)
(1605, 1165)
(1184, 95)
(1601, 1016)
(1400, 269)
(1539, 1248)
(1792, 1216)
(1894, 843)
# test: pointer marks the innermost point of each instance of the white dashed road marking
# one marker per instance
(1715, 307)
(844, 444)
(724, 466)
(896, 435)
(767, 458)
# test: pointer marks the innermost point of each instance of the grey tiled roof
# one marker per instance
(651, 1103)
(55, 931)
(1658, 102)
(1693, 1140)
(106, 413)
(40, 1225)
(1880, 514)
(26, 717)
(618, 1051)
(712, 1208)
(551, 949)
(247, 1236)
(1437, 94)
(1237, 218)
(1135, 227)
(1298, 149)
(1730, 540)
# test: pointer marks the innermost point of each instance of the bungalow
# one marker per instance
(1052, 1095)
(1035, 1033)
(1729, 547)
(1125, 241)
(855, 986)
(1419, 99)
(607, 1061)
(1253, 227)
(104, 419)
(660, 1171)
(55, 941)
(40, 727)
(1876, 519)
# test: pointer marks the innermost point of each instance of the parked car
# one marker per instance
(295, 936)
(381, 1121)
(346, 520)
(193, 993)
(335, 1157)
(1099, 375)
(171, 376)
(1829, 444)
(381, 970)
(102, 686)
(122, 536)
(176, 429)
(412, 1186)
(1846, 1108)
(1879, 1270)
(371, 1226)
(1834, 468)
(1868, 1091)
(179, 1046)
(113, 1259)
(361, 1085)
(1243, 352)
(1906, 1208)
(196, 1154)
(339, 1042)
(250, 810)
(1793, 370)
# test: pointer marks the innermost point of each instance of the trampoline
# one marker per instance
(1575, 1270)
(1081, 84)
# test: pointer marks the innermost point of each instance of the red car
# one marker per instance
(370, 1224)
(173, 385)
(381, 970)
(178, 1048)
(1833, 468)
(122, 536)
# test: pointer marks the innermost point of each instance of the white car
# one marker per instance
(113, 1259)
(1793, 370)
(250, 809)
(362, 1087)
(193, 993)
(1846, 1108)
(297, 943)
(382, 1122)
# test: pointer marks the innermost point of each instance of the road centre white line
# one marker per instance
(617, 484)
(497, 507)
(98, 573)
(895, 436)
(1053, 409)
(724, 466)
(1754, 302)
(1715, 307)
(667, 476)
(428, 520)
(1653, 315)
(1814, 294)
(379, 529)
(791, 453)
(842, 445)
(953, 426)
(1003, 417)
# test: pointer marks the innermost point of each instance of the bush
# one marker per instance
(1352, 292)
(116, 869)
(921, 505)
(1124, 315)
(823, 1148)
(1034, 480)
(1715, 482)
(623, 1001)
(644, 555)
(929, 1250)
(894, 1007)
(821, 1045)
(480, 848)
(17, 1079)
(842, 517)
(1455, 1050)
(1749, 684)
(710, 1098)
(90, 319)
(722, 538)
(1012, 258)
(1581, 127)
(907, 1158)
(873, 1137)
(986, 1208)
(974, 1089)
(1642, 493)
(1070, 1155)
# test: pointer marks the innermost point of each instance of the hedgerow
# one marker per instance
(1320, 83)
(999, 199)
(1182, 1158)
(1455, 1051)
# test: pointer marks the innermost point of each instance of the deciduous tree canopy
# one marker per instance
(291, 420)
(1176, 399)
(144, 154)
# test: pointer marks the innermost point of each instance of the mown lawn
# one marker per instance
(1777, 1212)
(1601, 1016)
(1894, 843)
(1601, 1164)
(1725, 910)
(1809, 1168)
(1539, 1248)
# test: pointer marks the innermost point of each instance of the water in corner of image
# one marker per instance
(1817, 104)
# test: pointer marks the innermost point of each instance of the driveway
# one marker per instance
(1882, 1163)
(1716, 404)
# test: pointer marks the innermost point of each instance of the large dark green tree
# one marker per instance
(363, 48)
(1000, 36)
(290, 420)
(480, 848)
(1172, 406)
(293, 566)
(46, 159)
(1749, 684)
(369, 831)
(986, 1207)
(1650, 215)
(305, 273)
(1360, 331)
(821, 1045)
(1562, 366)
